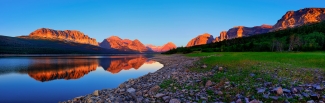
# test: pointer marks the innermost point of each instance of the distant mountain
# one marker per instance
(236, 32)
(66, 35)
(308, 37)
(26, 45)
(289, 20)
(242, 31)
(154, 48)
(163, 48)
(115, 42)
(223, 36)
(300, 17)
(201, 39)
(49, 41)
(168, 46)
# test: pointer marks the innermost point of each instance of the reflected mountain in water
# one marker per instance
(115, 65)
(49, 68)
(46, 69)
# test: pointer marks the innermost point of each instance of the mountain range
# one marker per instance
(290, 19)
(110, 43)
(45, 40)
(49, 41)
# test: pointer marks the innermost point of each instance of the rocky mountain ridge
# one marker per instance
(66, 35)
(115, 42)
(201, 39)
(300, 17)
(289, 20)
(111, 43)
(163, 48)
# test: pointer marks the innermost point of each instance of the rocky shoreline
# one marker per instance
(146, 88)
(175, 83)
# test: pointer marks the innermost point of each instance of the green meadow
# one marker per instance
(264, 60)
(250, 70)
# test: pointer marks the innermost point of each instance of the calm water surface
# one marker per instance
(54, 79)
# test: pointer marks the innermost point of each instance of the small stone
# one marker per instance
(254, 101)
(220, 69)
(246, 100)
(266, 96)
(139, 93)
(227, 83)
(261, 90)
(90, 100)
(130, 90)
(121, 85)
(159, 95)
(166, 98)
(307, 90)
(299, 89)
(203, 98)
(174, 101)
(279, 91)
(146, 95)
(153, 89)
(147, 100)
(197, 81)
(139, 99)
(274, 97)
(286, 91)
(315, 96)
(145, 91)
(122, 90)
(204, 66)
(239, 101)
(252, 74)
(216, 67)
(294, 90)
(318, 87)
(208, 83)
(174, 73)
(259, 79)
(268, 84)
(96, 93)
(77, 98)
(305, 95)
(310, 101)
(220, 93)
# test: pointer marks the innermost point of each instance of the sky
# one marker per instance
(150, 21)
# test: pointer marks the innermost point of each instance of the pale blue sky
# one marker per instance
(151, 21)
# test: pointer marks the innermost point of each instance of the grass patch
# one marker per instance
(264, 59)
(166, 83)
(250, 70)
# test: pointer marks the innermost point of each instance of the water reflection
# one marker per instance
(46, 69)
(53, 79)
(52, 68)
(115, 65)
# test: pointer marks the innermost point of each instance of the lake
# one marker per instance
(50, 79)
